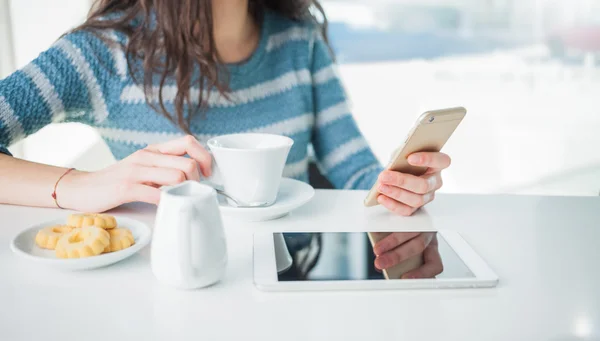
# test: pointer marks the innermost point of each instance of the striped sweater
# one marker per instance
(288, 86)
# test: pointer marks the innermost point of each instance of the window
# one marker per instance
(36, 24)
(526, 71)
(6, 43)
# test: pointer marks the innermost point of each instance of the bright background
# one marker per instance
(533, 111)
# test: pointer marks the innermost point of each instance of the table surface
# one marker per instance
(544, 249)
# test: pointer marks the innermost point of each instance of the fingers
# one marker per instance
(143, 193)
(395, 206)
(415, 184)
(404, 193)
(403, 252)
(431, 267)
(392, 241)
(158, 176)
(153, 159)
(186, 145)
(406, 197)
(437, 161)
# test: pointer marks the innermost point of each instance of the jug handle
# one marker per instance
(185, 243)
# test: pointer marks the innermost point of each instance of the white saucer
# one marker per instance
(292, 194)
(24, 245)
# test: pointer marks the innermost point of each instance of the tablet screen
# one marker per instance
(349, 256)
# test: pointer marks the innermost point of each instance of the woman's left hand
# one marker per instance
(404, 193)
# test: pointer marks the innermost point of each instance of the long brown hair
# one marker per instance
(171, 38)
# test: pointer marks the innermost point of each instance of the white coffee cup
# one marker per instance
(251, 165)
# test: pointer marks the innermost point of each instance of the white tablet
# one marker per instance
(345, 261)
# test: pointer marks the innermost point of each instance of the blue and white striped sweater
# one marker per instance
(288, 86)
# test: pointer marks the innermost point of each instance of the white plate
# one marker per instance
(292, 194)
(24, 245)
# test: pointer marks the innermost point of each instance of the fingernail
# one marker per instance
(414, 159)
(427, 197)
(380, 263)
(384, 189)
(432, 182)
(206, 170)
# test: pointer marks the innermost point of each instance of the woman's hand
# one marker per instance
(137, 177)
(404, 193)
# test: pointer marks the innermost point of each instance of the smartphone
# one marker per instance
(400, 269)
(429, 134)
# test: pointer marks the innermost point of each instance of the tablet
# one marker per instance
(297, 261)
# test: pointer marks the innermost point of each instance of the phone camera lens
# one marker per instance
(431, 119)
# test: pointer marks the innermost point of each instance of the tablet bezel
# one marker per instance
(265, 273)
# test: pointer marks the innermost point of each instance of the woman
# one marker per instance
(159, 77)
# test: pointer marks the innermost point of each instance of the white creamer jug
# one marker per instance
(188, 245)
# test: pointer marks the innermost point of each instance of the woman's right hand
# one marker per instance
(137, 177)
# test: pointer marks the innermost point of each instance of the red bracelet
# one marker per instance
(56, 184)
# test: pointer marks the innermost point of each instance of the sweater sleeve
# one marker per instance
(66, 83)
(342, 153)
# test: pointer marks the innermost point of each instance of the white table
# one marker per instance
(545, 250)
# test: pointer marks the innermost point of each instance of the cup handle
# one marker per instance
(185, 243)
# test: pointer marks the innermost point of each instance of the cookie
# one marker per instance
(82, 242)
(104, 221)
(48, 237)
(120, 239)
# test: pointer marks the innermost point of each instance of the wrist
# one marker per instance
(69, 190)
